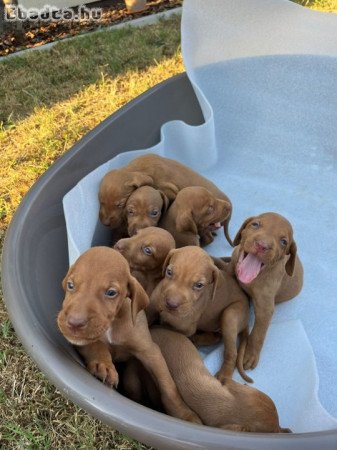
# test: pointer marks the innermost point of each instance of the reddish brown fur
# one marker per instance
(231, 406)
(146, 252)
(190, 216)
(100, 325)
(219, 305)
(165, 174)
(280, 279)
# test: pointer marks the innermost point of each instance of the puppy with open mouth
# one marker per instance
(195, 215)
(266, 264)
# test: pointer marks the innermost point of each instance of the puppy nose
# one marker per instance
(172, 303)
(119, 246)
(76, 321)
(261, 246)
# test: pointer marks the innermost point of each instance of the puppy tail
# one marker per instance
(225, 227)
(241, 352)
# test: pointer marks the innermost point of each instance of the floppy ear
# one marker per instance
(215, 272)
(169, 189)
(166, 202)
(65, 279)
(290, 264)
(138, 179)
(237, 238)
(139, 298)
(185, 222)
(167, 261)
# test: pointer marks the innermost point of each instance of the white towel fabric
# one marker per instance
(265, 73)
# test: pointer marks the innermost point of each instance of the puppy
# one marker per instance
(267, 267)
(103, 310)
(231, 406)
(195, 295)
(144, 208)
(164, 174)
(146, 252)
(194, 215)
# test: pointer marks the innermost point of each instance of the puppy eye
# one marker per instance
(148, 251)
(111, 293)
(198, 285)
(255, 225)
(283, 242)
(154, 213)
(120, 204)
(70, 286)
(169, 272)
(130, 212)
(210, 209)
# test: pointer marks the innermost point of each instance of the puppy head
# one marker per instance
(146, 250)
(198, 210)
(263, 240)
(115, 189)
(144, 208)
(95, 288)
(189, 276)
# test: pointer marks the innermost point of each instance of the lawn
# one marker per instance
(49, 100)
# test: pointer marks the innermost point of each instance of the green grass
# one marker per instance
(49, 100)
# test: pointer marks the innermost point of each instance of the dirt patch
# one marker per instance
(35, 34)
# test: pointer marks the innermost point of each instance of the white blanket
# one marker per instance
(265, 73)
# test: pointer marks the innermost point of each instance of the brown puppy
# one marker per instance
(103, 306)
(144, 208)
(194, 215)
(195, 295)
(231, 406)
(165, 174)
(146, 252)
(266, 264)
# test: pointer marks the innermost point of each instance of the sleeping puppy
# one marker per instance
(231, 406)
(102, 313)
(146, 252)
(161, 173)
(195, 295)
(144, 208)
(194, 215)
(267, 267)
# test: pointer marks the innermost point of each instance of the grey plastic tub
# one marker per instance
(35, 260)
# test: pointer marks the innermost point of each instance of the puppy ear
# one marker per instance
(290, 264)
(138, 179)
(166, 202)
(169, 189)
(215, 272)
(225, 205)
(167, 261)
(65, 279)
(185, 222)
(237, 238)
(139, 298)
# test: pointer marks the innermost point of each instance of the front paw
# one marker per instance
(251, 358)
(192, 417)
(223, 376)
(206, 238)
(105, 372)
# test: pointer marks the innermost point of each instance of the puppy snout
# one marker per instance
(261, 246)
(76, 321)
(172, 303)
(119, 247)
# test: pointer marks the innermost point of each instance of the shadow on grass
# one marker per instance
(42, 78)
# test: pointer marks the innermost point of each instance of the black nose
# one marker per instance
(76, 321)
(172, 303)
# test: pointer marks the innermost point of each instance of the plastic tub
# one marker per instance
(35, 260)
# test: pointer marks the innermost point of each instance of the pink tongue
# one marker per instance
(217, 225)
(248, 268)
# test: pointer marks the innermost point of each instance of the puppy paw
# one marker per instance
(191, 416)
(223, 376)
(105, 372)
(251, 358)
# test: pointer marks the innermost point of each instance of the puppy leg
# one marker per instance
(98, 360)
(263, 310)
(153, 361)
(206, 338)
(206, 238)
(233, 320)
